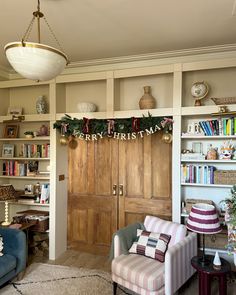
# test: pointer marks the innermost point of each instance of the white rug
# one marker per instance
(47, 279)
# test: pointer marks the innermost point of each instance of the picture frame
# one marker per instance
(29, 189)
(11, 131)
(17, 111)
(197, 147)
(8, 150)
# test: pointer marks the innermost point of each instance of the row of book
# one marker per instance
(203, 174)
(221, 126)
(19, 168)
(35, 150)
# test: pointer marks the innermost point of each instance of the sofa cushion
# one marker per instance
(144, 272)
(151, 244)
(175, 230)
(7, 263)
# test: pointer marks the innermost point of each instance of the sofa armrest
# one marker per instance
(15, 244)
(178, 267)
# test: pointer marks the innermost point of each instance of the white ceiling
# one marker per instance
(94, 29)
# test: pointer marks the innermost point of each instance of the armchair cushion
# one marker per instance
(146, 273)
(151, 244)
(175, 230)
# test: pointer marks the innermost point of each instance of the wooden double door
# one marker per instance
(113, 183)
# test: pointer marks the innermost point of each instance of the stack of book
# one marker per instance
(27, 198)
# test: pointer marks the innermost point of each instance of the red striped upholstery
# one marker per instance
(147, 276)
(175, 230)
(139, 270)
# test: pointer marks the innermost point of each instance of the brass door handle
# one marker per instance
(114, 188)
(121, 190)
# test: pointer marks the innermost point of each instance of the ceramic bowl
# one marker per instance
(86, 107)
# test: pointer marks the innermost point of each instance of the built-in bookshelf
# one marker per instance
(116, 89)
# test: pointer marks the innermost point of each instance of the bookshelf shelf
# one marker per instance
(25, 159)
(26, 203)
(208, 185)
(27, 177)
(210, 161)
(208, 137)
(42, 138)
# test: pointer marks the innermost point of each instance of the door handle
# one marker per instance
(121, 190)
(114, 188)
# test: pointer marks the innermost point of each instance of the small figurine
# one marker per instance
(211, 153)
(217, 262)
(227, 150)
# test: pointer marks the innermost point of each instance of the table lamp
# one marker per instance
(203, 219)
(7, 192)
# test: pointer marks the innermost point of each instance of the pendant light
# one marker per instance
(36, 61)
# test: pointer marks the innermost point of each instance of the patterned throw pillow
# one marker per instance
(151, 244)
(1, 245)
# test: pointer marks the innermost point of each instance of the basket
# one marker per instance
(40, 225)
(224, 100)
(216, 241)
(224, 177)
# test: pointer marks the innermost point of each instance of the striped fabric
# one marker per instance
(151, 244)
(203, 219)
(146, 273)
(178, 267)
(136, 288)
(175, 230)
(147, 276)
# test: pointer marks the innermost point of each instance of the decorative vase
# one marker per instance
(43, 131)
(41, 105)
(147, 101)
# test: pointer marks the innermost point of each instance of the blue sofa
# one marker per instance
(14, 259)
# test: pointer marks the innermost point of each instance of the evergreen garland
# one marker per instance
(69, 126)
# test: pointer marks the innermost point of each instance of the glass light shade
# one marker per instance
(35, 61)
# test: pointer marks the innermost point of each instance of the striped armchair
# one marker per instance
(147, 276)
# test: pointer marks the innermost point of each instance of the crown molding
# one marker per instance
(156, 55)
(158, 58)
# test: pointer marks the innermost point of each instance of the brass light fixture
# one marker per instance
(36, 61)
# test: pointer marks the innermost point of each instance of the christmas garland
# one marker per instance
(93, 129)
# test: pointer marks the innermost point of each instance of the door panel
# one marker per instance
(92, 208)
(146, 179)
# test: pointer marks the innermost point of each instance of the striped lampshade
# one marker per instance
(203, 219)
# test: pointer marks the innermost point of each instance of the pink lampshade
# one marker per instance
(203, 219)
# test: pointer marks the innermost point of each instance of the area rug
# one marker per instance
(42, 279)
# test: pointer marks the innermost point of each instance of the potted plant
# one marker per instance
(29, 134)
(230, 219)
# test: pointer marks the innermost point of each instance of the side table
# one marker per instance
(207, 272)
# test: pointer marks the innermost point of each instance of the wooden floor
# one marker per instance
(77, 259)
